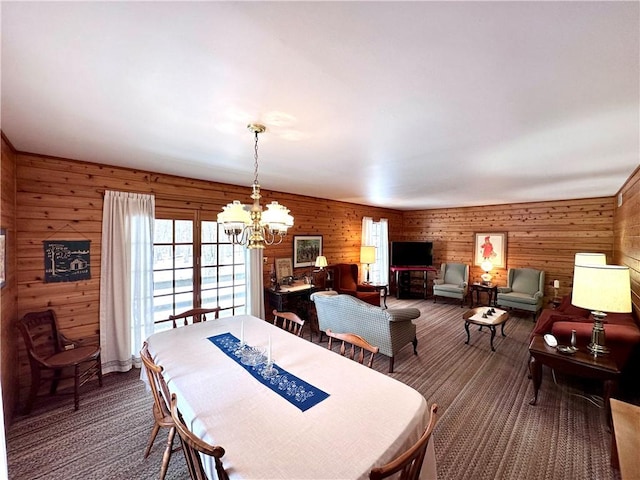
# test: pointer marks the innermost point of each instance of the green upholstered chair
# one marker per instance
(524, 290)
(453, 282)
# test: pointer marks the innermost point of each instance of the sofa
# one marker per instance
(345, 281)
(622, 331)
(453, 282)
(388, 329)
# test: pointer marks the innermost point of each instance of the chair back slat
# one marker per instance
(192, 446)
(288, 321)
(157, 384)
(409, 464)
(40, 333)
(196, 315)
(350, 345)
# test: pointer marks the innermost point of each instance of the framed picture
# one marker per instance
(3, 254)
(283, 268)
(306, 249)
(492, 247)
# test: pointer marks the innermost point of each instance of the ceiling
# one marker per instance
(408, 105)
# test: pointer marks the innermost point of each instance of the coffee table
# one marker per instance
(474, 316)
(581, 364)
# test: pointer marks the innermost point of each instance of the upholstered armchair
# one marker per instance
(524, 290)
(453, 282)
(388, 329)
(345, 281)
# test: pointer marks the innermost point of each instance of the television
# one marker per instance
(411, 254)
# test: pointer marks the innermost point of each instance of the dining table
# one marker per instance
(292, 409)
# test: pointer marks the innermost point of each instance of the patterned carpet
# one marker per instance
(487, 429)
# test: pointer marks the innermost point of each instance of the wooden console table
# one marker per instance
(424, 270)
(625, 439)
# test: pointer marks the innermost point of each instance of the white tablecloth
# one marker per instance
(368, 419)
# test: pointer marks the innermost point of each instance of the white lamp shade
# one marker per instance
(603, 288)
(486, 266)
(321, 261)
(556, 284)
(367, 254)
(590, 259)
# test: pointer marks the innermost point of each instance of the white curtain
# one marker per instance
(126, 278)
(255, 289)
(383, 252)
(377, 234)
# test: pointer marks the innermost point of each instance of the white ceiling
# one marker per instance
(407, 105)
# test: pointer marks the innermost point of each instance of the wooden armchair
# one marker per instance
(354, 341)
(193, 446)
(195, 314)
(410, 462)
(50, 350)
(161, 413)
(290, 322)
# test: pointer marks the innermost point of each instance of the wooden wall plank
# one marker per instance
(542, 235)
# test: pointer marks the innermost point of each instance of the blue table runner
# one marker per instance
(293, 389)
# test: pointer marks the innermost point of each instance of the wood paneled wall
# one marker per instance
(9, 293)
(627, 234)
(543, 235)
(62, 199)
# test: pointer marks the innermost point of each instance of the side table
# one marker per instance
(580, 364)
(490, 289)
(384, 288)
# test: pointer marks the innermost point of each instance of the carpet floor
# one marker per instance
(486, 430)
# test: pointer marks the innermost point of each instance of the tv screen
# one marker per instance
(411, 254)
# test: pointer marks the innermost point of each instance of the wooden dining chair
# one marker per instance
(161, 413)
(192, 446)
(353, 341)
(289, 321)
(195, 314)
(410, 462)
(49, 350)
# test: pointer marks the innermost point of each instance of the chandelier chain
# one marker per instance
(255, 158)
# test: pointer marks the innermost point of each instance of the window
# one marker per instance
(194, 265)
(377, 234)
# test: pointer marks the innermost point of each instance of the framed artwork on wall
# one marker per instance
(492, 247)
(283, 268)
(305, 250)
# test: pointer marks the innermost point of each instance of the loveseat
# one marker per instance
(387, 329)
(622, 332)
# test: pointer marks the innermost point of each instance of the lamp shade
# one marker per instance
(367, 254)
(590, 259)
(486, 266)
(602, 288)
(321, 261)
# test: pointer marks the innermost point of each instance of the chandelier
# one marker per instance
(248, 225)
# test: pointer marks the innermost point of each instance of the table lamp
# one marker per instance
(321, 263)
(601, 289)
(584, 258)
(367, 256)
(486, 276)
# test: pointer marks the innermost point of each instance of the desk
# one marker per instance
(368, 419)
(294, 299)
